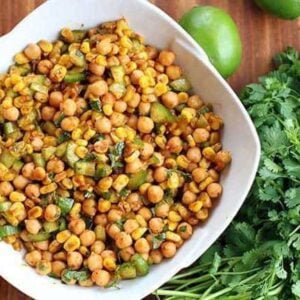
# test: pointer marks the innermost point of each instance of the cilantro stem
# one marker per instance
(294, 231)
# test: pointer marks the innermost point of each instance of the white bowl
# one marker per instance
(239, 135)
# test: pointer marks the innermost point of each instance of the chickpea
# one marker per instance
(89, 207)
(132, 121)
(39, 174)
(214, 190)
(69, 123)
(101, 146)
(174, 145)
(33, 257)
(134, 101)
(142, 246)
(33, 226)
(96, 69)
(74, 260)
(168, 249)
(33, 51)
(174, 72)
(123, 240)
(87, 238)
(130, 225)
(155, 194)
(147, 151)
(145, 212)
(101, 219)
(162, 209)
(58, 267)
(109, 254)
(120, 106)
(113, 230)
(199, 174)
(104, 47)
(166, 58)
(44, 245)
(170, 100)
(5, 188)
(55, 165)
(47, 255)
(155, 256)
(45, 66)
(56, 98)
(101, 277)
(11, 114)
(134, 167)
(19, 182)
(68, 107)
(118, 119)
(43, 267)
(103, 125)
(145, 124)
(194, 102)
(77, 226)
(144, 108)
(185, 230)
(98, 88)
(188, 197)
(200, 135)
(52, 213)
(48, 113)
(194, 154)
(94, 262)
(114, 215)
(37, 143)
(134, 201)
(135, 76)
(126, 253)
(160, 174)
(98, 247)
(156, 225)
(32, 191)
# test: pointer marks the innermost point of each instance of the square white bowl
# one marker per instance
(239, 135)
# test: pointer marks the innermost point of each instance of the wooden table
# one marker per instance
(262, 36)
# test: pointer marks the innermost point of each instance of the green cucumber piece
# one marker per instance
(38, 159)
(137, 179)
(160, 114)
(48, 152)
(70, 155)
(86, 168)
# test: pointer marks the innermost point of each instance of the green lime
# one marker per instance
(215, 31)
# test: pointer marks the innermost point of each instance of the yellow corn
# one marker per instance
(48, 188)
(130, 67)
(18, 211)
(174, 237)
(204, 163)
(21, 59)
(11, 219)
(81, 151)
(163, 78)
(182, 161)
(17, 197)
(191, 141)
(75, 211)
(84, 250)
(54, 246)
(133, 156)
(105, 184)
(193, 187)
(142, 222)
(67, 34)
(160, 141)
(120, 182)
(10, 239)
(76, 134)
(171, 163)
(188, 113)
(121, 133)
(172, 225)
(183, 97)
(126, 42)
(89, 134)
(72, 243)
(82, 142)
(195, 206)
(202, 214)
(174, 216)
(15, 78)
(182, 211)
(107, 109)
(35, 212)
(173, 181)
(144, 187)
(62, 236)
(2, 94)
(160, 89)
(138, 233)
(85, 47)
(45, 46)
(67, 183)
(58, 73)
(209, 153)
(104, 206)
(145, 81)
(109, 264)
(101, 60)
(205, 183)
(131, 134)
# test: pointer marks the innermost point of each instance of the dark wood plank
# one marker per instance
(262, 37)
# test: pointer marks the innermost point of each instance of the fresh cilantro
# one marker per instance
(115, 155)
(58, 120)
(158, 239)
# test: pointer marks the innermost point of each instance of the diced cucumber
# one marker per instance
(70, 155)
(95, 105)
(160, 114)
(180, 85)
(50, 226)
(48, 152)
(63, 137)
(118, 73)
(73, 77)
(17, 166)
(118, 89)
(37, 87)
(39, 237)
(79, 35)
(61, 149)
(4, 206)
(127, 271)
(65, 204)
(9, 127)
(38, 160)
(86, 168)
(102, 170)
(7, 158)
(8, 230)
(136, 180)
(49, 128)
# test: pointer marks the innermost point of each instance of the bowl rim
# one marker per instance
(200, 55)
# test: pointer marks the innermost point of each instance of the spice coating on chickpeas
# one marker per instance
(107, 159)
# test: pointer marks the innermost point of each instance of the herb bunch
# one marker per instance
(258, 257)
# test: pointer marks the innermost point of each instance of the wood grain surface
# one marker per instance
(262, 37)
